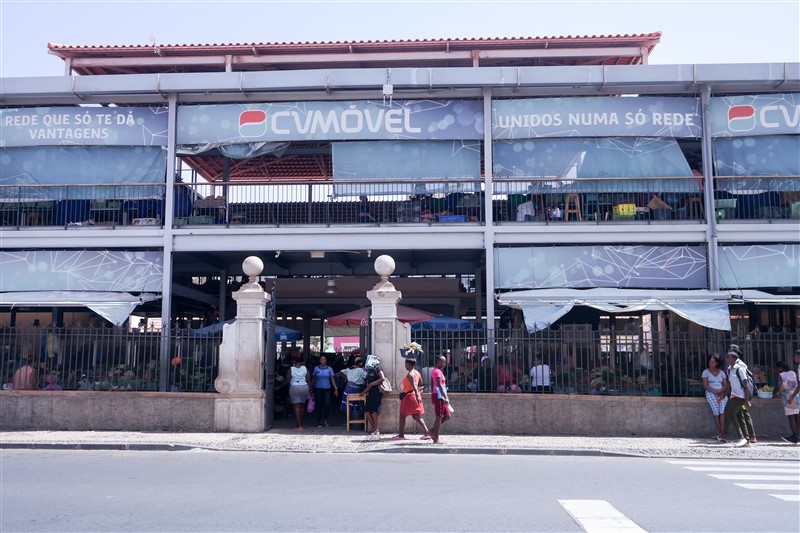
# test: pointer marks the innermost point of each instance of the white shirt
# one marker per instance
(298, 375)
(540, 376)
(355, 375)
(525, 212)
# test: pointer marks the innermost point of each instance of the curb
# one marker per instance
(94, 447)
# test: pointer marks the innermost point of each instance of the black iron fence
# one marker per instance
(571, 359)
(109, 358)
(581, 359)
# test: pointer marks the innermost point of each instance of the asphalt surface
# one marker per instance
(78, 490)
(337, 440)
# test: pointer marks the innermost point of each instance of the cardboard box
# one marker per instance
(146, 221)
(625, 209)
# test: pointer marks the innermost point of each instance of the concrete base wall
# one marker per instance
(501, 414)
(108, 411)
(592, 416)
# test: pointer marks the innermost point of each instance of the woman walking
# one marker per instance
(411, 402)
(714, 384)
(324, 385)
(297, 379)
(441, 402)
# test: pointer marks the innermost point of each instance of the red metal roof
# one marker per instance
(505, 51)
(498, 51)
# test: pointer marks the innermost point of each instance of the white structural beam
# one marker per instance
(577, 80)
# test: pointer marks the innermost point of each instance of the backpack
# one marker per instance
(750, 377)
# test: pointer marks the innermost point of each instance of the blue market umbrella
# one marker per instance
(447, 323)
(282, 334)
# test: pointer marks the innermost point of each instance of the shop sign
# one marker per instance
(325, 121)
(748, 115)
(83, 126)
(532, 118)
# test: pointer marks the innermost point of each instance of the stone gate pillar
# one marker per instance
(240, 406)
(388, 334)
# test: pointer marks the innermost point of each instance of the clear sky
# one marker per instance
(693, 31)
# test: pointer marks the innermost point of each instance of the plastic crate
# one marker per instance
(625, 209)
(452, 218)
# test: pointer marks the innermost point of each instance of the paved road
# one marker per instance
(62, 490)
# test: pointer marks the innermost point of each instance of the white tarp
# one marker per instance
(542, 307)
(115, 307)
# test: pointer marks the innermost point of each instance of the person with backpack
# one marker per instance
(740, 391)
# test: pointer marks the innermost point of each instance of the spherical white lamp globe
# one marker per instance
(384, 266)
(253, 266)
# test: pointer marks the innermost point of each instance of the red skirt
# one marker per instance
(410, 406)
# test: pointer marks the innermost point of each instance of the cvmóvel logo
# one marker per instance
(253, 123)
(741, 118)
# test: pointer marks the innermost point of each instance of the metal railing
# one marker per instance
(111, 358)
(81, 205)
(301, 202)
(582, 359)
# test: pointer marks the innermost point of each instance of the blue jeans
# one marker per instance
(322, 403)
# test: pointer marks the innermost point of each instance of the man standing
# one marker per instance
(540, 376)
(740, 393)
(25, 377)
(792, 394)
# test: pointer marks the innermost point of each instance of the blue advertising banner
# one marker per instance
(750, 115)
(81, 270)
(83, 126)
(644, 116)
(323, 121)
(640, 266)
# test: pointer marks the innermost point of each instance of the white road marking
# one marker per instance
(744, 469)
(753, 471)
(769, 486)
(754, 477)
(787, 497)
(599, 516)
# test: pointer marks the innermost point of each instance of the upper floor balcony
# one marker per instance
(282, 203)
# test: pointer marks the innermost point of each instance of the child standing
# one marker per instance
(786, 384)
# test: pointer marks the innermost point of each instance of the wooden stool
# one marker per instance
(355, 398)
(694, 208)
(572, 206)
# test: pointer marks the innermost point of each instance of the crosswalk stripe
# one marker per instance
(754, 477)
(744, 469)
(769, 486)
(599, 516)
(740, 462)
(787, 497)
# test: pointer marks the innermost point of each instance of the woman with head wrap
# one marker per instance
(373, 380)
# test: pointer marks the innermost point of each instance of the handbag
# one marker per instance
(385, 386)
(310, 404)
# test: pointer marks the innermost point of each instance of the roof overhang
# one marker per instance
(344, 84)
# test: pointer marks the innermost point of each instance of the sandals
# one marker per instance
(398, 437)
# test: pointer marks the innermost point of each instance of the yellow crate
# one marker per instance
(625, 209)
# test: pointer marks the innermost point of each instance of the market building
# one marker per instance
(542, 187)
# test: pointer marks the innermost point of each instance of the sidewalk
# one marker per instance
(335, 440)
